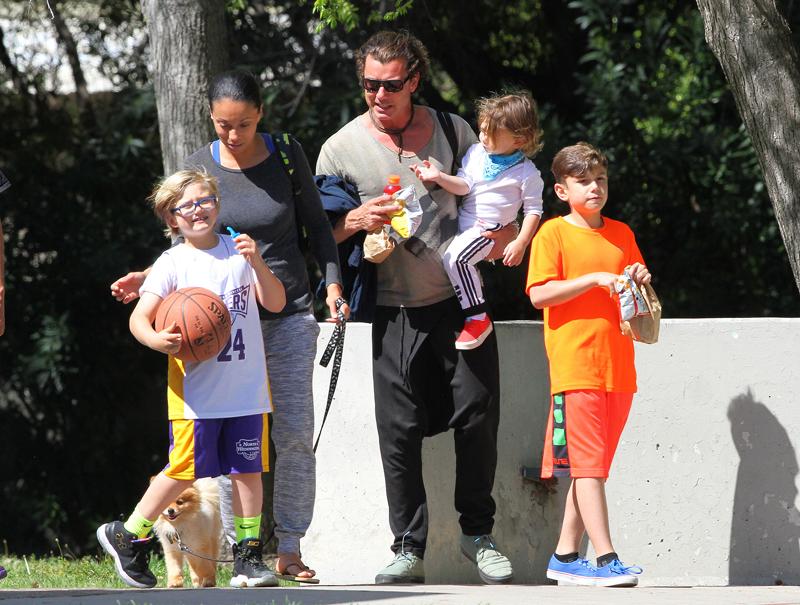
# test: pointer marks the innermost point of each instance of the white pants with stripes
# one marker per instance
(466, 250)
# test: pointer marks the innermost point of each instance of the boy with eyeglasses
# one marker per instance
(217, 408)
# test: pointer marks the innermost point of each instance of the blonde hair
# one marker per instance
(168, 192)
(577, 161)
(517, 113)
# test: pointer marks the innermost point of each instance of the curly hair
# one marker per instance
(516, 112)
(386, 46)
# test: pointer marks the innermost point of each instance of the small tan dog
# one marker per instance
(195, 516)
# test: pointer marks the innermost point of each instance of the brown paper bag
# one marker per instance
(377, 246)
(644, 328)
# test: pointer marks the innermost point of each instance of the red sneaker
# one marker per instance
(474, 333)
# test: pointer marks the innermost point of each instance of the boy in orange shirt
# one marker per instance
(574, 263)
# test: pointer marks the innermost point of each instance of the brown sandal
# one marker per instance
(296, 565)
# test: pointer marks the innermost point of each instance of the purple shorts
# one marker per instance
(218, 446)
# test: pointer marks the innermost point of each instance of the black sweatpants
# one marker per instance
(424, 386)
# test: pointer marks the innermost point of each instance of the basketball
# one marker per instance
(203, 319)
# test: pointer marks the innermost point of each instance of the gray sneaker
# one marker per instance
(404, 569)
(493, 566)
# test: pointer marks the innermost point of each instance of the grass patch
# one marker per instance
(86, 572)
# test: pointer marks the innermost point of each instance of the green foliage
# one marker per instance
(683, 173)
(333, 13)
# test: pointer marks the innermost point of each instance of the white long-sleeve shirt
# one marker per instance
(498, 200)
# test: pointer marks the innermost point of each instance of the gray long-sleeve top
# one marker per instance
(258, 201)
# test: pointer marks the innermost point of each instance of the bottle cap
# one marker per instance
(394, 179)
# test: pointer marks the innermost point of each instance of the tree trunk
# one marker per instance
(188, 46)
(753, 43)
(17, 79)
(67, 42)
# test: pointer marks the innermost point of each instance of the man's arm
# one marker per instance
(369, 216)
(514, 251)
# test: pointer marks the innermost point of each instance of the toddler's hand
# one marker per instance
(425, 171)
(513, 253)
(168, 340)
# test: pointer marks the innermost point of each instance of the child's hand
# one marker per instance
(247, 248)
(639, 274)
(606, 280)
(168, 340)
(513, 253)
(425, 171)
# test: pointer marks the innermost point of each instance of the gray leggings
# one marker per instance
(291, 346)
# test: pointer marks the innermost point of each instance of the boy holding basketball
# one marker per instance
(575, 261)
(217, 408)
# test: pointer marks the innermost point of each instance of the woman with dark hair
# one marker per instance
(261, 199)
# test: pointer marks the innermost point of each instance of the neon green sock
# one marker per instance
(137, 524)
(247, 527)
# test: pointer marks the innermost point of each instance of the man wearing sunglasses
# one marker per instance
(423, 385)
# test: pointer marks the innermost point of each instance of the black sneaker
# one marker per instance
(131, 555)
(248, 568)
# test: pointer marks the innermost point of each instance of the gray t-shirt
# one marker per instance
(258, 201)
(412, 275)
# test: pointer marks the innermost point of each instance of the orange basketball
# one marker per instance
(203, 319)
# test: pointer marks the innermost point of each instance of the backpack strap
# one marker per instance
(446, 121)
(282, 144)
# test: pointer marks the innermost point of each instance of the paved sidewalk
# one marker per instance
(413, 595)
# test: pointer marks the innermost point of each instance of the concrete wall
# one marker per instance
(703, 490)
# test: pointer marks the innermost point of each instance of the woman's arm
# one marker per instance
(126, 288)
(320, 235)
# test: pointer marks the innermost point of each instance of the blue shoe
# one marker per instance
(3, 573)
(577, 573)
(617, 573)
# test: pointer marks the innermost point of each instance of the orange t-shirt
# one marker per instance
(584, 344)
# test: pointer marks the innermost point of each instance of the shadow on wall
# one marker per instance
(766, 524)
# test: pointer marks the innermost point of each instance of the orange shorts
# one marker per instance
(583, 432)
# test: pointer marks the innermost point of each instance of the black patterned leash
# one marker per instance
(188, 550)
(334, 349)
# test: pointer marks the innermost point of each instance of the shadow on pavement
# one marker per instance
(205, 596)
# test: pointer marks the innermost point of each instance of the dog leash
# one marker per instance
(188, 550)
(334, 349)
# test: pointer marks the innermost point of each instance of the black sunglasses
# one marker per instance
(371, 85)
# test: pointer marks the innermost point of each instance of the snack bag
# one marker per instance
(378, 245)
(639, 309)
(406, 220)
